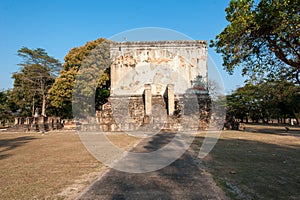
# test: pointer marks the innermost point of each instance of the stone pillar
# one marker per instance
(16, 120)
(41, 123)
(27, 121)
(112, 78)
(148, 99)
(171, 99)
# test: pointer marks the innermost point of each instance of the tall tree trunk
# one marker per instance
(33, 107)
(44, 105)
(44, 98)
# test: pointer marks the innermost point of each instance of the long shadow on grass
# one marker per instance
(276, 131)
(9, 144)
(180, 180)
(260, 170)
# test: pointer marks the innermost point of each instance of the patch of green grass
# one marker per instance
(226, 188)
(60, 198)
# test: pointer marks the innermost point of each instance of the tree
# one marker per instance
(62, 89)
(243, 103)
(32, 82)
(7, 107)
(60, 94)
(265, 101)
(263, 38)
(285, 99)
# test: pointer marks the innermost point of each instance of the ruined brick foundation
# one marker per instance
(24, 124)
(111, 117)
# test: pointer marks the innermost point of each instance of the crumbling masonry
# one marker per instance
(152, 84)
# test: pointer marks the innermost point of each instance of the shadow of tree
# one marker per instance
(157, 141)
(182, 179)
(9, 144)
(254, 169)
(274, 129)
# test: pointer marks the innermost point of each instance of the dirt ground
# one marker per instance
(182, 179)
(50, 166)
(261, 162)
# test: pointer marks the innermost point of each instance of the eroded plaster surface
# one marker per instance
(158, 63)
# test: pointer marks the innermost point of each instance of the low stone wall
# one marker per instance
(37, 123)
(129, 114)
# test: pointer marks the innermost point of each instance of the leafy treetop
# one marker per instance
(263, 38)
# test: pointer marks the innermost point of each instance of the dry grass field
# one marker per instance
(261, 162)
(51, 166)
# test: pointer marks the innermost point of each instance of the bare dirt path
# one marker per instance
(183, 179)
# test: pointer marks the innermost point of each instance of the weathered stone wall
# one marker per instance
(159, 63)
(119, 117)
(37, 124)
(149, 83)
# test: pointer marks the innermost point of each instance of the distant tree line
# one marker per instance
(262, 37)
(43, 86)
(265, 101)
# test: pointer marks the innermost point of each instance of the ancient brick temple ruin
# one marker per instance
(155, 85)
(151, 86)
(23, 124)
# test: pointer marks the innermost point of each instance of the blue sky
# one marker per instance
(58, 26)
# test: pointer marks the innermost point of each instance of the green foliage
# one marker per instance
(243, 102)
(32, 82)
(263, 38)
(60, 94)
(88, 58)
(266, 100)
(7, 107)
